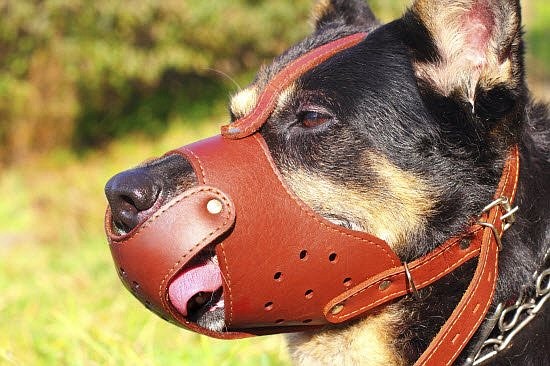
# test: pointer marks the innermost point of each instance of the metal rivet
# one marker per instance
(214, 206)
(384, 285)
(337, 309)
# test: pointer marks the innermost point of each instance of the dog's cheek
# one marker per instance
(394, 205)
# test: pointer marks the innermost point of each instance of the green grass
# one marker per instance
(61, 302)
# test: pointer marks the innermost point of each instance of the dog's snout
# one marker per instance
(131, 193)
(134, 195)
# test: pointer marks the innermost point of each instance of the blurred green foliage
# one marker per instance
(83, 71)
(538, 38)
(79, 72)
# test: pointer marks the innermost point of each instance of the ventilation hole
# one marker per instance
(278, 276)
(268, 306)
(309, 294)
(307, 321)
(279, 321)
(347, 282)
(303, 254)
(332, 257)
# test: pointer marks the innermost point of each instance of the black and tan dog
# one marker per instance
(403, 136)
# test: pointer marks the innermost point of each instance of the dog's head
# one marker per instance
(401, 136)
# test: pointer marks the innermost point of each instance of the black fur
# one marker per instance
(375, 102)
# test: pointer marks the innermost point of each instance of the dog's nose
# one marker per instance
(130, 193)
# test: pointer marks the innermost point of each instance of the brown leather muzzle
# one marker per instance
(284, 267)
(281, 263)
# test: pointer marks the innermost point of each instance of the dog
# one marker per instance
(403, 136)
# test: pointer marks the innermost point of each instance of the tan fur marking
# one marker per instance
(322, 8)
(368, 343)
(244, 102)
(284, 97)
(392, 208)
(461, 68)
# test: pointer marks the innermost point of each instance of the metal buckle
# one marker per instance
(509, 216)
(415, 293)
(507, 219)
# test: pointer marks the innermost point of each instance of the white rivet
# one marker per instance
(214, 206)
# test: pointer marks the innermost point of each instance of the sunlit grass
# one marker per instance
(61, 302)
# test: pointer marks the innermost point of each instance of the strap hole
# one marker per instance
(333, 257)
(279, 321)
(307, 321)
(465, 243)
(337, 309)
(384, 285)
(309, 294)
(347, 282)
(268, 306)
(278, 276)
(303, 255)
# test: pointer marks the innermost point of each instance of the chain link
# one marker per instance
(513, 319)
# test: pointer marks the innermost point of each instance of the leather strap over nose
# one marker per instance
(149, 256)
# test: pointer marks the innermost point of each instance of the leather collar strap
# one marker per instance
(285, 268)
(472, 308)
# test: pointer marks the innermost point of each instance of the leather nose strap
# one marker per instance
(150, 255)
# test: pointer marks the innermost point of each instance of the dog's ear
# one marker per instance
(350, 12)
(476, 47)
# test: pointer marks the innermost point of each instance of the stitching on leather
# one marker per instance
(379, 301)
(478, 322)
(228, 281)
(496, 218)
(198, 161)
(162, 210)
(514, 190)
(207, 237)
(310, 214)
(290, 73)
(448, 330)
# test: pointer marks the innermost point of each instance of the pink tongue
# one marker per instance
(202, 278)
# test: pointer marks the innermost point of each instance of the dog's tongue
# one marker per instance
(201, 278)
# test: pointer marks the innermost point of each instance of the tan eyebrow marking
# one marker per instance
(244, 102)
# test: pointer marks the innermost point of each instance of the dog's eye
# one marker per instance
(313, 119)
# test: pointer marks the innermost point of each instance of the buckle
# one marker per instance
(507, 219)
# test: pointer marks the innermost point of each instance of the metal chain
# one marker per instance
(513, 319)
